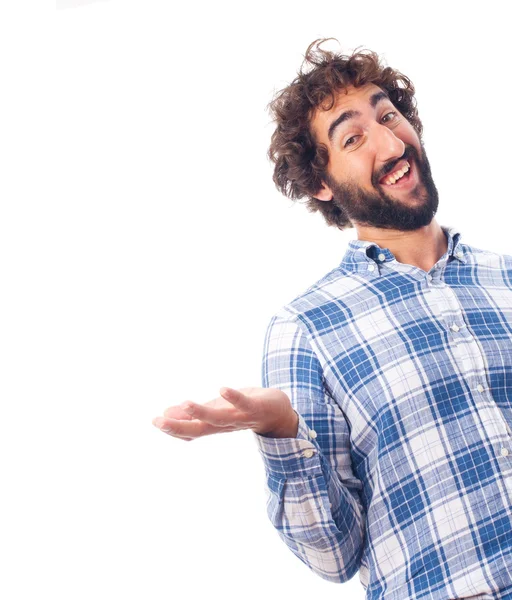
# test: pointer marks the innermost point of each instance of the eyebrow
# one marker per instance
(350, 114)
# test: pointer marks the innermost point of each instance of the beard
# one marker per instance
(382, 210)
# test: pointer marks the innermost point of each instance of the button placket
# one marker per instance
(454, 328)
(446, 304)
(507, 426)
(471, 356)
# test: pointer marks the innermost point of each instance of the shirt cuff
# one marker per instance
(291, 456)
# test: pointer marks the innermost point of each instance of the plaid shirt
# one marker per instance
(402, 465)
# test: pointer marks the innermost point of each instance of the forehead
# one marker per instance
(346, 99)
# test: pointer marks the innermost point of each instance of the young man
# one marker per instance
(384, 421)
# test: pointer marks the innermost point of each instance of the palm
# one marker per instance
(254, 408)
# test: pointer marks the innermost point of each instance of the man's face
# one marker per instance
(364, 150)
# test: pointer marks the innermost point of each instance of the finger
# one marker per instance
(238, 399)
(170, 432)
(218, 417)
(184, 429)
(177, 412)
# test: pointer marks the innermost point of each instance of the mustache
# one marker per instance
(408, 155)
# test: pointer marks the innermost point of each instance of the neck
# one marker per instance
(421, 248)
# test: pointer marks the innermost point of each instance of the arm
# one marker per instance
(313, 495)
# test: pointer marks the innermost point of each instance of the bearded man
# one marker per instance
(385, 412)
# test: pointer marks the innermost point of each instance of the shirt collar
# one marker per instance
(359, 253)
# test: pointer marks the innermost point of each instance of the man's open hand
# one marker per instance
(263, 410)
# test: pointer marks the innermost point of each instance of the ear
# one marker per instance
(324, 193)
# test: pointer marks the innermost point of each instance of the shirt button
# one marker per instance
(480, 388)
(429, 277)
(312, 433)
(371, 267)
(382, 257)
(454, 328)
(308, 453)
(504, 452)
(460, 254)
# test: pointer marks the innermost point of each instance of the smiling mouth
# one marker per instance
(404, 180)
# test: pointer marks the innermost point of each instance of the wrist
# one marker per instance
(289, 429)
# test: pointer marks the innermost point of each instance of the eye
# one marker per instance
(350, 138)
(393, 114)
(389, 113)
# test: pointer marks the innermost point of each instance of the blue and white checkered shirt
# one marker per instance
(402, 465)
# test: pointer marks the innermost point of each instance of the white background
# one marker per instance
(144, 249)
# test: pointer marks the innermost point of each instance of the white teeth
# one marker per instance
(392, 178)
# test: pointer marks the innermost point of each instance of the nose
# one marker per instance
(388, 146)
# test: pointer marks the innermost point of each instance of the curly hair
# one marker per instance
(300, 162)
